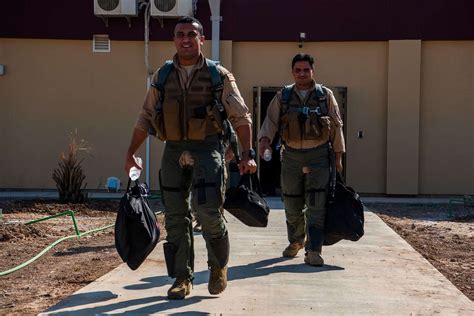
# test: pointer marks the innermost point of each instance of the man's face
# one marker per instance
(188, 41)
(302, 73)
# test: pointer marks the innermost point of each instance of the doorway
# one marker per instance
(269, 171)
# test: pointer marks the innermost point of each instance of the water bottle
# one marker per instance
(134, 173)
(267, 155)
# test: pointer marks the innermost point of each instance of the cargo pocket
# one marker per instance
(196, 129)
(171, 120)
(312, 129)
(325, 122)
(294, 126)
(285, 134)
(159, 125)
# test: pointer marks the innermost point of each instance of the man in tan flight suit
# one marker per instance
(184, 107)
(307, 117)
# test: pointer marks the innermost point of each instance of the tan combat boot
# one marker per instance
(292, 250)
(180, 288)
(314, 258)
(217, 280)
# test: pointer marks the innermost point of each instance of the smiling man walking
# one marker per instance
(186, 106)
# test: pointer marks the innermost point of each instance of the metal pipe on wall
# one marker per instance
(216, 18)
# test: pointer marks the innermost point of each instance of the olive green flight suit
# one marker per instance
(206, 180)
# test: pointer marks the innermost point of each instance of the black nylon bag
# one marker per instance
(136, 227)
(245, 202)
(344, 216)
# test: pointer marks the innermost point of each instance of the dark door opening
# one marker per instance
(269, 171)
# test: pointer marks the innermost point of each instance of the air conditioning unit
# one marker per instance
(109, 8)
(171, 8)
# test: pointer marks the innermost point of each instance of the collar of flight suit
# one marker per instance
(183, 73)
(298, 91)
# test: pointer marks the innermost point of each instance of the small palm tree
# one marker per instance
(69, 176)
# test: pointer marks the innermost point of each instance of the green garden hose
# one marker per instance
(77, 235)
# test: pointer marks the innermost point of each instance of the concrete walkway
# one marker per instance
(380, 274)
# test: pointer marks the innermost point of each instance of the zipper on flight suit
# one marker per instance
(184, 105)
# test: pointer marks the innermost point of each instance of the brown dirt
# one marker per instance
(443, 234)
(69, 266)
(447, 242)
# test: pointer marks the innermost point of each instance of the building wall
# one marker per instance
(359, 66)
(53, 87)
(447, 118)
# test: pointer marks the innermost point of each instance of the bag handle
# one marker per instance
(129, 182)
(252, 182)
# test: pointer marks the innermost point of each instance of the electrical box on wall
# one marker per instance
(2, 70)
(171, 8)
(110, 8)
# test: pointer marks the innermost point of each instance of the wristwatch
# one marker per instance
(250, 153)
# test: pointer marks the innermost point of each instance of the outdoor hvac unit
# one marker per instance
(171, 8)
(115, 7)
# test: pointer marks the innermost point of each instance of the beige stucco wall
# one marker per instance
(403, 116)
(53, 87)
(359, 66)
(447, 118)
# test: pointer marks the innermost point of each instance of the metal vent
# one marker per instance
(165, 5)
(101, 44)
(108, 5)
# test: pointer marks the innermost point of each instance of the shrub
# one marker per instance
(69, 176)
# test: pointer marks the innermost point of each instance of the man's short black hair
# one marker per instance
(302, 57)
(191, 20)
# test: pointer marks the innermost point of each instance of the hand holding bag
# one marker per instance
(136, 227)
(344, 216)
(246, 203)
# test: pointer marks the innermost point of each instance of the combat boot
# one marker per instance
(292, 250)
(314, 258)
(314, 246)
(180, 288)
(218, 266)
(217, 280)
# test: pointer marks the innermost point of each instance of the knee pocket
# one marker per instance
(208, 191)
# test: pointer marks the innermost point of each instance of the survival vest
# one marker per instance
(192, 113)
(309, 121)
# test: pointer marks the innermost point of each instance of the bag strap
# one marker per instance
(216, 80)
(333, 174)
(129, 182)
(250, 180)
(163, 74)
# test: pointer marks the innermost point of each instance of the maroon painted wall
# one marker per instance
(256, 20)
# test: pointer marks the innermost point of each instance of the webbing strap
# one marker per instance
(286, 94)
(163, 74)
(200, 187)
(171, 189)
(293, 195)
(216, 79)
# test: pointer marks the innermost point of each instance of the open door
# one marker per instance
(269, 171)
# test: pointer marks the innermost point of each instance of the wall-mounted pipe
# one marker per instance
(216, 18)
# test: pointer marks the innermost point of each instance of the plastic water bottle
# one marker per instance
(267, 155)
(134, 173)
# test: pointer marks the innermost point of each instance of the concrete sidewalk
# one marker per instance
(380, 274)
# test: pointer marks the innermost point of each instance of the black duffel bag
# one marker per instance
(344, 216)
(136, 228)
(245, 202)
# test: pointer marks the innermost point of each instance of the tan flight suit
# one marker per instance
(305, 160)
(186, 124)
